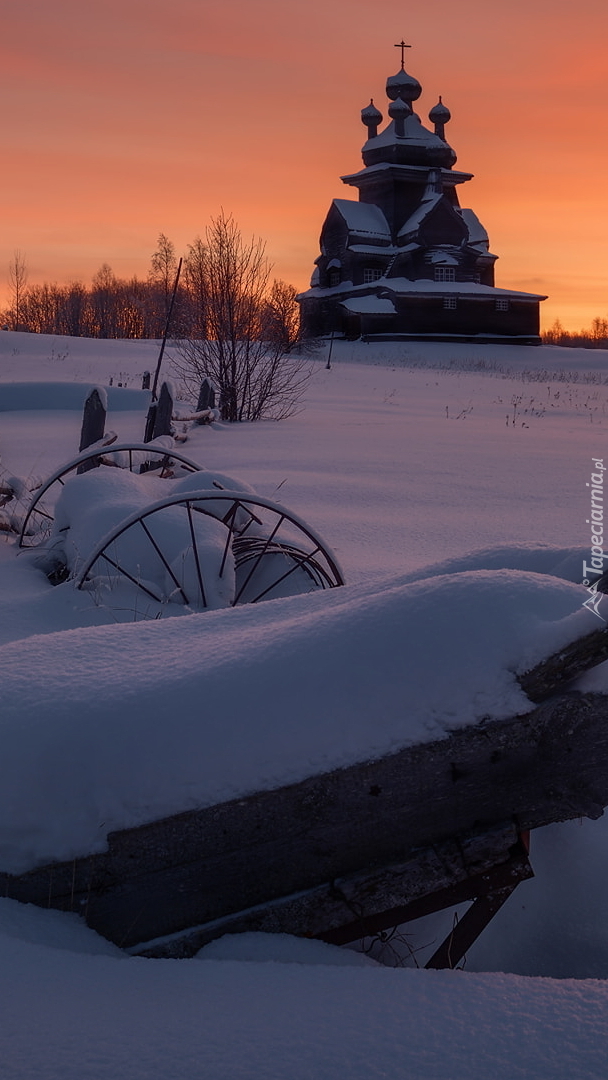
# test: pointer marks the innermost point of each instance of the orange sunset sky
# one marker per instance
(124, 118)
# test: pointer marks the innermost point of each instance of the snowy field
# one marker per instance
(451, 482)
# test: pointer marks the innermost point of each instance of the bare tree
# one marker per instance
(17, 280)
(104, 302)
(163, 265)
(240, 352)
(75, 314)
(196, 286)
(282, 315)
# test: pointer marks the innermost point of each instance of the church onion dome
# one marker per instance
(439, 116)
(403, 86)
(440, 113)
(371, 117)
(398, 111)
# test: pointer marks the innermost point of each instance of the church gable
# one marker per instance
(434, 222)
(334, 234)
(442, 225)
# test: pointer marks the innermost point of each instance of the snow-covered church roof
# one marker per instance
(369, 305)
(415, 134)
(364, 219)
(478, 236)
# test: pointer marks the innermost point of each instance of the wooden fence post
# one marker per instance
(206, 397)
(164, 412)
(93, 426)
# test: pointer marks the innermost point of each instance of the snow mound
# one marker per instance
(281, 949)
(34, 396)
(58, 930)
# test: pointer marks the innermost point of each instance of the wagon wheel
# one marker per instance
(43, 516)
(269, 545)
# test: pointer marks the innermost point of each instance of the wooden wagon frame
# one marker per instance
(354, 852)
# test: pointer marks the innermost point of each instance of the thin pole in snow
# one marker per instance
(331, 345)
(167, 324)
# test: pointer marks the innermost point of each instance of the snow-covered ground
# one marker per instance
(451, 482)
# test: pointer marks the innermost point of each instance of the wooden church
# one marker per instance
(407, 261)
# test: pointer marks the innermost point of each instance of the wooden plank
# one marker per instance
(509, 868)
(549, 765)
(362, 904)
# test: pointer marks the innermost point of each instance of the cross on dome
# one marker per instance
(401, 45)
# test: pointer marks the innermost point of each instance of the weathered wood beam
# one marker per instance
(366, 903)
(554, 674)
(546, 766)
(504, 872)
(468, 928)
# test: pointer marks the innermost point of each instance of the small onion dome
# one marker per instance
(371, 117)
(440, 114)
(403, 86)
(399, 111)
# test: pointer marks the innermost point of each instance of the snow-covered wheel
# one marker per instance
(39, 516)
(207, 549)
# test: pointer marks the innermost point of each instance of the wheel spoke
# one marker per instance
(196, 558)
(232, 515)
(162, 559)
(260, 556)
(121, 570)
(299, 563)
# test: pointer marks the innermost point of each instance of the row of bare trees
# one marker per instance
(113, 307)
(110, 307)
(596, 337)
(230, 322)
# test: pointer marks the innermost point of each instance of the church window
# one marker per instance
(502, 305)
(371, 275)
(334, 278)
(450, 303)
(445, 273)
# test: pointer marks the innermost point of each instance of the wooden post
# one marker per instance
(150, 422)
(93, 427)
(206, 397)
(164, 412)
(331, 346)
(145, 382)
